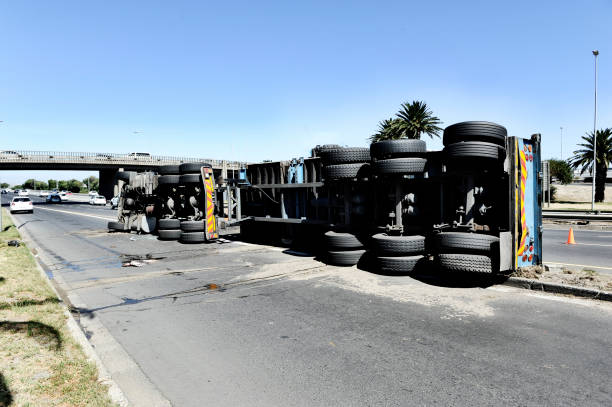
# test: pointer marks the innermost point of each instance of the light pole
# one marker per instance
(561, 142)
(595, 53)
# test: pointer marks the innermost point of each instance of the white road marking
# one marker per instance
(577, 265)
(76, 213)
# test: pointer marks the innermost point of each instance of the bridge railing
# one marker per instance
(110, 158)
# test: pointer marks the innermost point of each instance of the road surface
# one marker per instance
(235, 324)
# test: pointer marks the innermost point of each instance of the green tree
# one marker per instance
(41, 185)
(62, 185)
(561, 170)
(4, 185)
(412, 120)
(92, 182)
(30, 184)
(584, 158)
(74, 185)
(52, 184)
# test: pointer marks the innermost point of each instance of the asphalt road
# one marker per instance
(234, 324)
(593, 248)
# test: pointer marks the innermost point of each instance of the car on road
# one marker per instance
(97, 200)
(21, 204)
(63, 196)
(4, 191)
(139, 155)
(43, 193)
(93, 193)
(114, 202)
(53, 198)
(23, 192)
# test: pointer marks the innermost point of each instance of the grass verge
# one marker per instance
(40, 362)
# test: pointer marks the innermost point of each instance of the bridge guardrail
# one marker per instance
(19, 156)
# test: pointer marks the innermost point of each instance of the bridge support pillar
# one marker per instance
(108, 187)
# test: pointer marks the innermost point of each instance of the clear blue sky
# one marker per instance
(269, 80)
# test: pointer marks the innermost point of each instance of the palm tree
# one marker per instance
(584, 158)
(411, 121)
(387, 130)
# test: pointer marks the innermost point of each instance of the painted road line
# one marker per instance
(76, 213)
(577, 265)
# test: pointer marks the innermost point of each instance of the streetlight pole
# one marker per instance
(595, 53)
(561, 143)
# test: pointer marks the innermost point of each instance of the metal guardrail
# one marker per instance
(567, 215)
(24, 156)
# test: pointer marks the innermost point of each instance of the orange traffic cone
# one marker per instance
(570, 237)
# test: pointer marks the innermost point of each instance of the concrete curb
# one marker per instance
(104, 377)
(554, 288)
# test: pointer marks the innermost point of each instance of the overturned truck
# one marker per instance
(475, 206)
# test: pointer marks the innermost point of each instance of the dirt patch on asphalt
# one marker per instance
(575, 276)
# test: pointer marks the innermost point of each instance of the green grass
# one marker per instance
(40, 362)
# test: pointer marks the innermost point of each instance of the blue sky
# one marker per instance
(269, 80)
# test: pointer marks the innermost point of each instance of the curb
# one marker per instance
(554, 288)
(114, 392)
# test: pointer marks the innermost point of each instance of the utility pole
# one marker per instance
(595, 53)
(561, 143)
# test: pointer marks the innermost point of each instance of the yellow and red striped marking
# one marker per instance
(523, 161)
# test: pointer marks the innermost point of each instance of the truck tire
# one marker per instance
(397, 148)
(190, 179)
(169, 234)
(193, 226)
(114, 226)
(192, 168)
(345, 155)
(168, 180)
(347, 171)
(385, 245)
(192, 237)
(475, 131)
(167, 224)
(335, 240)
(461, 242)
(475, 150)
(473, 263)
(344, 258)
(125, 176)
(399, 265)
(398, 166)
(168, 170)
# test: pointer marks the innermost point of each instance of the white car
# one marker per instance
(114, 202)
(24, 192)
(63, 196)
(21, 204)
(97, 200)
(43, 193)
(93, 193)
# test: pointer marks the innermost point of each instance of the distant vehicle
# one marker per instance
(43, 193)
(140, 155)
(114, 202)
(63, 196)
(24, 192)
(4, 191)
(19, 204)
(93, 193)
(104, 156)
(53, 198)
(8, 154)
(97, 200)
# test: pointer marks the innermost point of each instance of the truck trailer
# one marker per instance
(474, 206)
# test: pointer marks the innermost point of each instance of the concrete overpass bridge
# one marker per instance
(106, 163)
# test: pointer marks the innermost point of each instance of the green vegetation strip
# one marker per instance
(40, 362)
